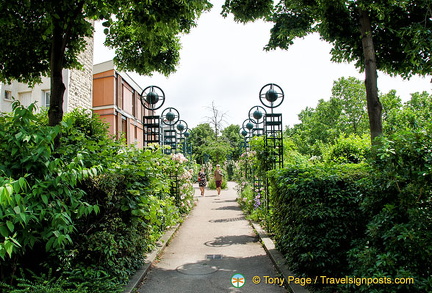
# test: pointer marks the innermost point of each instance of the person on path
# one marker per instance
(218, 178)
(202, 180)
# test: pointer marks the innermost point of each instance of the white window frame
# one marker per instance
(8, 95)
(46, 95)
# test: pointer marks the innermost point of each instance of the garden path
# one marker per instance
(214, 243)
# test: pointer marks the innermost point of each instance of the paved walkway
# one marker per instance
(214, 243)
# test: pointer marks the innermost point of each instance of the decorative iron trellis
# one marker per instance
(152, 98)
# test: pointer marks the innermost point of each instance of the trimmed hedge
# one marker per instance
(318, 216)
(364, 221)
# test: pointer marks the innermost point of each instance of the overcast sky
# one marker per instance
(224, 61)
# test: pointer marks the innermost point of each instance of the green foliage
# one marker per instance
(43, 38)
(359, 220)
(346, 150)
(250, 200)
(39, 198)
(260, 158)
(291, 154)
(412, 115)
(200, 137)
(206, 147)
(351, 95)
(135, 199)
(77, 281)
(231, 134)
(245, 11)
(317, 216)
(212, 184)
(344, 114)
(92, 224)
(218, 151)
(398, 205)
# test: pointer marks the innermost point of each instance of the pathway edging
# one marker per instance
(277, 258)
(267, 243)
(163, 241)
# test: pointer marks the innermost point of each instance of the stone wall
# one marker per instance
(81, 80)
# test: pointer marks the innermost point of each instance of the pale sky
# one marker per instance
(224, 61)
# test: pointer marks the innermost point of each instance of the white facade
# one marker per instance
(78, 83)
(40, 94)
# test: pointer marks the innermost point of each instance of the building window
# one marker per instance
(125, 127)
(25, 98)
(46, 98)
(8, 95)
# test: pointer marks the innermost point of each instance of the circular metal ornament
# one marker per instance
(271, 95)
(152, 97)
(170, 116)
(243, 132)
(257, 114)
(247, 125)
(181, 126)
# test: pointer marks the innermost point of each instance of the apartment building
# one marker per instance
(116, 98)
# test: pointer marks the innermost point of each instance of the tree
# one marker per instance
(393, 36)
(218, 151)
(414, 115)
(200, 137)
(351, 94)
(342, 115)
(321, 125)
(40, 38)
(231, 135)
(392, 105)
(216, 119)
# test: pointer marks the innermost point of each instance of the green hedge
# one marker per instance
(87, 211)
(318, 216)
(365, 221)
(398, 205)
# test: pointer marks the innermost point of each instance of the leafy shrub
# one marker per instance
(361, 221)
(398, 205)
(250, 200)
(77, 281)
(133, 193)
(39, 198)
(317, 216)
(88, 209)
(212, 184)
(346, 150)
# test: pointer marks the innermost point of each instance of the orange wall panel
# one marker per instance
(127, 100)
(103, 88)
(108, 116)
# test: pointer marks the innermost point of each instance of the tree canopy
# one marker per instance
(393, 36)
(206, 146)
(40, 38)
